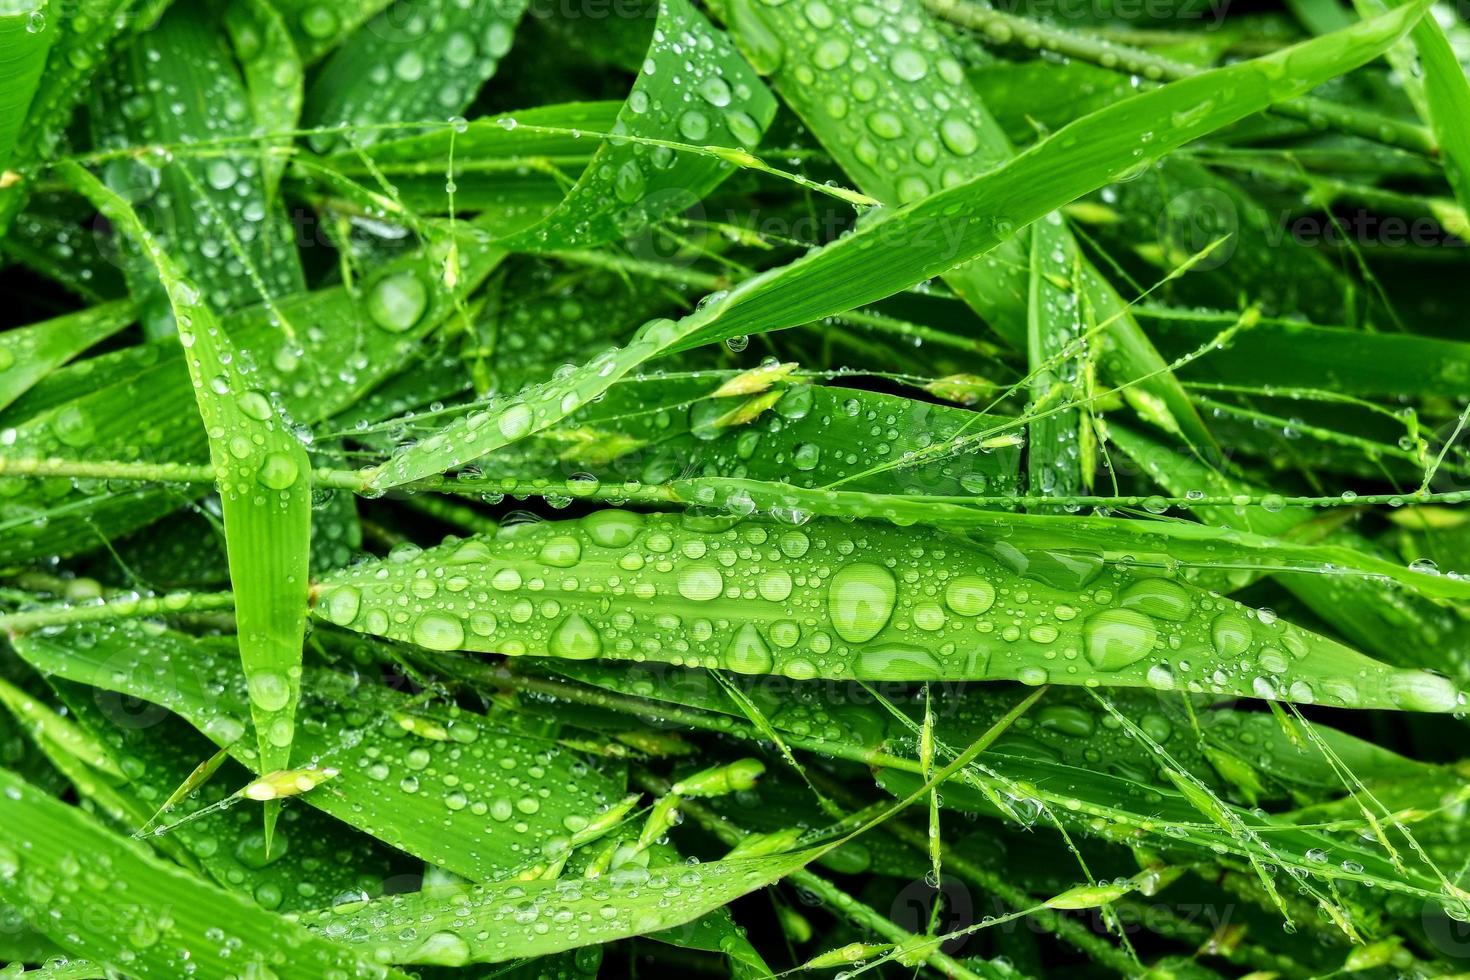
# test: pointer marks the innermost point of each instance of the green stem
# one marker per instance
(1003, 28)
(1067, 929)
(128, 608)
(862, 916)
(692, 491)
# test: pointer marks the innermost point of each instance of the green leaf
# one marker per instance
(657, 429)
(1374, 614)
(165, 918)
(29, 354)
(1437, 84)
(838, 601)
(1054, 324)
(928, 237)
(273, 78)
(134, 402)
(419, 60)
(27, 30)
(887, 99)
(318, 27)
(449, 786)
(76, 55)
(264, 480)
(488, 923)
(178, 83)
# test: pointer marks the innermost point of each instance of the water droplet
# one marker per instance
(1159, 598)
(969, 595)
(269, 690)
(397, 302)
(748, 653)
(612, 528)
(576, 639)
(1115, 638)
(700, 583)
(562, 551)
(342, 604)
(1231, 634)
(860, 600)
(438, 631)
(909, 64)
(278, 471)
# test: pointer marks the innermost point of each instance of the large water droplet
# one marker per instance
(700, 583)
(1159, 598)
(612, 528)
(969, 595)
(1231, 634)
(1115, 638)
(438, 631)
(342, 604)
(278, 471)
(860, 600)
(576, 639)
(748, 653)
(397, 302)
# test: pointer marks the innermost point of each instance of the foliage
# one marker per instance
(503, 488)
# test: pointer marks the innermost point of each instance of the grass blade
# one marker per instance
(416, 61)
(169, 917)
(826, 600)
(937, 232)
(26, 35)
(211, 211)
(29, 354)
(264, 481)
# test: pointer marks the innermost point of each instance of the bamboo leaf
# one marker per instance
(273, 78)
(26, 35)
(922, 120)
(31, 353)
(165, 919)
(418, 60)
(487, 924)
(936, 232)
(179, 84)
(835, 601)
(448, 786)
(264, 481)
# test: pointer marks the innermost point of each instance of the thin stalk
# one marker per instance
(127, 608)
(1003, 28)
(689, 492)
(863, 916)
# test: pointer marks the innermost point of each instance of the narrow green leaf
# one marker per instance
(1054, 325)
(27, 30)
(845, 602)
(417, 61)
(1440, 90)
(488, 923)
(319, 26)
(936, 233)
(29, 354)
(138, 401)
(264, 481)
(921, 118)
(449, 786)
(273, 78)
(178, 83)
(1372, 613)
(76, 55)
(164, 922)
